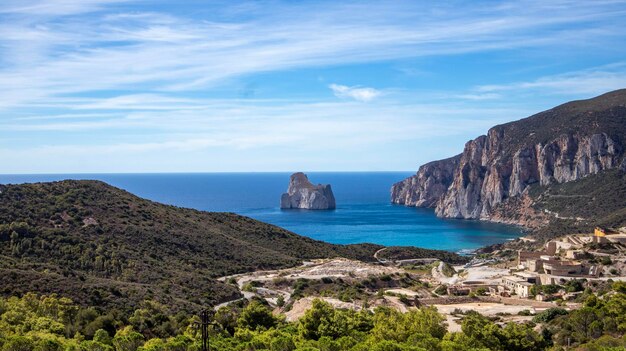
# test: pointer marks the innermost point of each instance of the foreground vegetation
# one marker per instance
(50, 323)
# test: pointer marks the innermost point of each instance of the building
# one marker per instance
(529, 277)
(539, 262)
(601, 235)
(617, 238)
(524, 256)
(574, 254)
(458, 291)
(518, 285)
(561, 268)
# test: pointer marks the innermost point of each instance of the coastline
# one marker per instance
(363, 211)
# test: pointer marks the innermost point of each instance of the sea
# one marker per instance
(364, 213)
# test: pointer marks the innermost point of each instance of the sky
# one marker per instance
(95, 86)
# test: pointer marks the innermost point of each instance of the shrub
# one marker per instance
(549, 314)
(442, 290)
(256, 316)
(327, 280)
(385, 278)
(280, 301)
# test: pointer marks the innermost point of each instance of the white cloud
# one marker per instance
(97, 77)
(357, 93)
(241, 135)
(591, 81)
(53, 8)
(46, 57)
(241, 119)
(479, 96)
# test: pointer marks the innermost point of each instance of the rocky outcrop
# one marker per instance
(486, 175)
(303, 194)
(425, 188)
(556, 146)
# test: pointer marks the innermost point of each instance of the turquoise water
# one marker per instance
(363, 212)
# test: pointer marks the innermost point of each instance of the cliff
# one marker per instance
(303, 194)
(425, 188)
(564, 144)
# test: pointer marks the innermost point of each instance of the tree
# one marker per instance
(178, 343)
(226, 317)
(322, 320)
(282, 342)
(620, 287)
(482, 331)
(91, 345)
(18, 343)
(48, 344)
(392, 325)
(549, 288)
(127, 339)
(102, 336)
(320, 313)
(256, 316)
(521, 337)
(549, 314)
(152, 319)
(574, 285)
(154, 344)
(280, 301)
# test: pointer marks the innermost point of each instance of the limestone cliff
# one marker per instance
(425, 188)
(303, 194)
(560, 145)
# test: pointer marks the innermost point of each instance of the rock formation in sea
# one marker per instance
(560, 145)
(304, 195)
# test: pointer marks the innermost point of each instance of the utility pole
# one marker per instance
(204, 325)
(205, 316)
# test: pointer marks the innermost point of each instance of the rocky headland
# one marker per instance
(303, 194)
(490, 179)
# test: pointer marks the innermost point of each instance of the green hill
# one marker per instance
(595, 200)
(103, 246)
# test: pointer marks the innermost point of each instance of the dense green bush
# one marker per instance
(549, 314)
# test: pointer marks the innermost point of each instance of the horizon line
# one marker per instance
(200, 172)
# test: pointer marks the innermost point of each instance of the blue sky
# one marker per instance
(199, 86)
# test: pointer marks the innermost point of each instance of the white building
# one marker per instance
(518, 285)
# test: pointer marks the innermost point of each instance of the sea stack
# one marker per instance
(303, 194)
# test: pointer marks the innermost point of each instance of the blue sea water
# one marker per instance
(363, 214)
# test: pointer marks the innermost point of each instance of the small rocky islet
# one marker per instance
(302, 194)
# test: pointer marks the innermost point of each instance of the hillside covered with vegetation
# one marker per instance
(579, 206)
(105, 247)
(602, 114)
